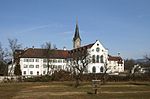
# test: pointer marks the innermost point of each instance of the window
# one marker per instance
(44, 66)
(56, 67)
(94, 69)
(64, 61)
(50, 60)
(37, 60)
(59, 67)
(37, 66)
(102, 60)
(44, 60)
(97, 49)
(92, 50)
(51, 66)
(101, 69)
(97, 59)
(24, 72)
(59, 61)
(31, 72)
(44, 72)
(31, 60)
(25, 66)
(93, 58)
(114, 67)
(37, 72)
(31, 66)
(54, 61)
(25, 60)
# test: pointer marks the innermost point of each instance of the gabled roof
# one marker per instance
(83, 47)
(41, 53)
(115, 58)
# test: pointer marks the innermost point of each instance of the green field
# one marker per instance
(65, 90)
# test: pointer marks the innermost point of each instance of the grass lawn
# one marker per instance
(65, 90)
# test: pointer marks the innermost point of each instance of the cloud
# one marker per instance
(41, 27)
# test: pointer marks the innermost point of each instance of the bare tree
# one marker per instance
(2, 52)
(3, 55)
(13, 44)
(48, 50)
(147, 57)
(105, 74)
(79, 63)
(128, 64)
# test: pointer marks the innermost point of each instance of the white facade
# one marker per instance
(11, 68)
(99, 58)
(114, 67)
(38, 66)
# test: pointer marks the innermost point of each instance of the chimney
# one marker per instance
(32, 47)
(25, 48)
(64, 48)
(118, 53)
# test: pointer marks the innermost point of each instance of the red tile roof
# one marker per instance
(115, 58)
(41, 53)
(83, 47)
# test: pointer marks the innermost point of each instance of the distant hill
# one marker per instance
(140, 60)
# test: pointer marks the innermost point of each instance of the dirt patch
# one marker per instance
(42, 86)
(39, 94)
(66, 93)
(121, 92)
(120, 86)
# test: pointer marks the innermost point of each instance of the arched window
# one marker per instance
(101, 69)
(94, 69)
(97, 58)
(93, 58)
(102, 60)
(37, 72)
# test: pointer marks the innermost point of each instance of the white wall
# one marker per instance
(98, 49)
(41, 64)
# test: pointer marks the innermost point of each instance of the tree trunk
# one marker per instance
(104, 78)
(77, 83)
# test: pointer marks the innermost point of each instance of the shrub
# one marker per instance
(45, 78)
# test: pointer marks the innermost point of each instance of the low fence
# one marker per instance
(8, 78)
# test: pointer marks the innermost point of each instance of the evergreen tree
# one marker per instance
(17, 70)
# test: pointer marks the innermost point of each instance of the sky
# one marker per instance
(122, 26)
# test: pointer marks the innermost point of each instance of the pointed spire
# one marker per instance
(76, 20)
(77, 35)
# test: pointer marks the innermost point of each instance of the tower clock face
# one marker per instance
(97, 49)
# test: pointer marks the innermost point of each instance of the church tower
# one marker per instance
(76, 38)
